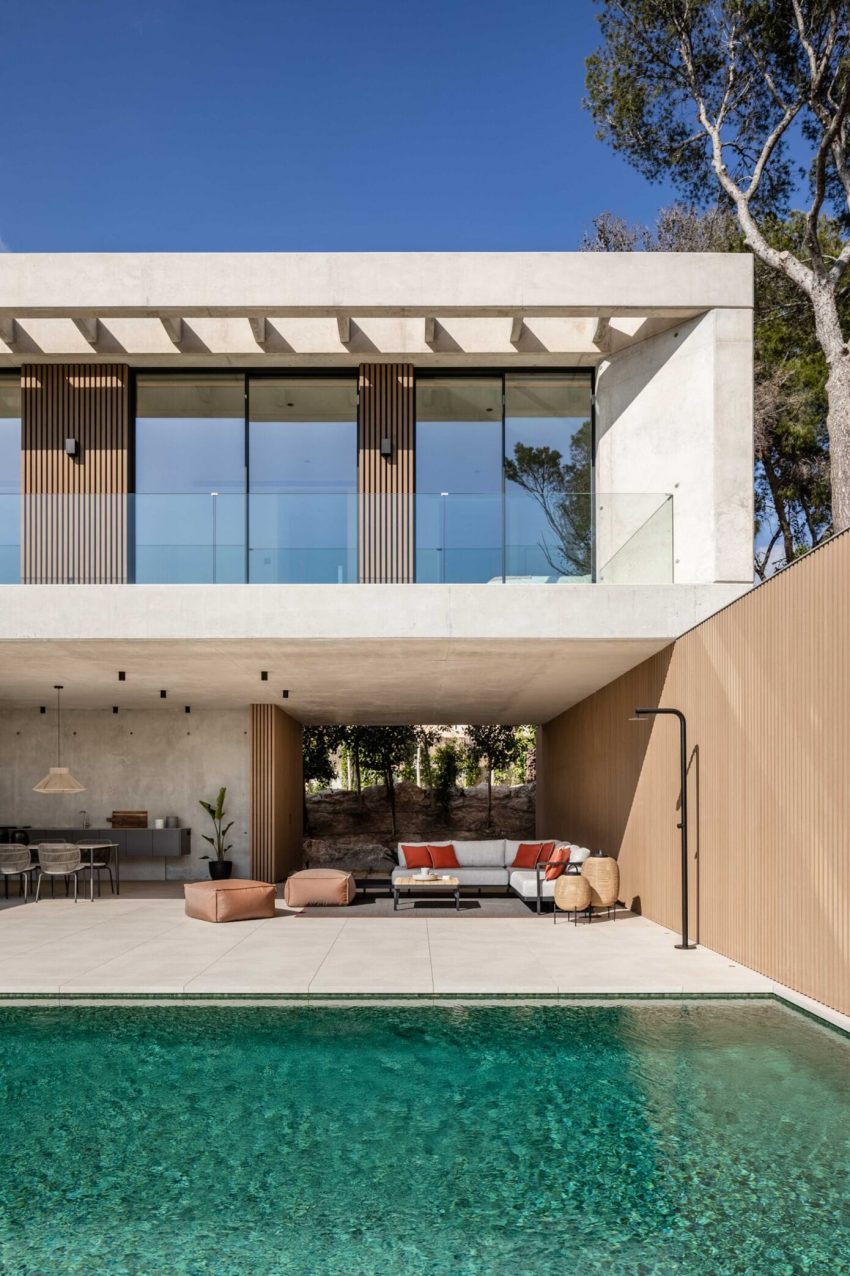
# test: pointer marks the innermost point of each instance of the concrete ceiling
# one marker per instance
(449, 680)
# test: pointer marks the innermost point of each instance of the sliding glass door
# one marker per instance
(459, 479)
(302, 480)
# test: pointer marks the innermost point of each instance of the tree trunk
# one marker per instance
(390, 787)
(773, 482)
(357, 772)
(828, 329)
(489, 797)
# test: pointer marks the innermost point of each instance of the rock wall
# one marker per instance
(344, 831)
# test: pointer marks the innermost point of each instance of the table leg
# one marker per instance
(395, 899)
(91, 876)
(117, 871)
(457, 900)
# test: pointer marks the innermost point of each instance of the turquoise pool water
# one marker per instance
(647, 1138)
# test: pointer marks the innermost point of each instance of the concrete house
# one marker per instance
(243, 492)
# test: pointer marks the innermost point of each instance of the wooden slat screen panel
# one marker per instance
(765, 685)
(74, 512)
(277, 793)
(386, 484)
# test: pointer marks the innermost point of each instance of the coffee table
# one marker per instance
(426, 886)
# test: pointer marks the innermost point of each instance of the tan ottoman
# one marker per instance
(319, 886)
(234, 900)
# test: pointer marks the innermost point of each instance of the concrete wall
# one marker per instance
(765, 686)
(162, 761)
(674, 414)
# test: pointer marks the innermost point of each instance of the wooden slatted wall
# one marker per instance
(74, 511)
(386, 484)
(765, 686)
(277, 794)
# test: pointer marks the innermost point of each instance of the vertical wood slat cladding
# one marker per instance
(74, 511)
(385, 484)
(277, 793)
(765, 685)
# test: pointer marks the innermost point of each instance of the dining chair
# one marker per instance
(59, 859)
(17, 861)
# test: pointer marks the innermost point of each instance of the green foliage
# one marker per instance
(658, 55)
(562, 490)
(446, 767)
(215, 810)
(470, 764)
(320, 743)
(723, 98)
(497, 746)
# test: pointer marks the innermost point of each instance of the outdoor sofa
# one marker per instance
(491, 864)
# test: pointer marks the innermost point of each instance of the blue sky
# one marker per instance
(281, 125)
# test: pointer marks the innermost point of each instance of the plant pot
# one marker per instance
(220, 869)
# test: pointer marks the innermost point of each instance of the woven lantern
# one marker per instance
(603, 877)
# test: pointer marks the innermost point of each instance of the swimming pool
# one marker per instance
(693, 1137)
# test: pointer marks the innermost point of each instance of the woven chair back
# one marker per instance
(14, 859)
(59, 857)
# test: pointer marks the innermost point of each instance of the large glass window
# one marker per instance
(302, 449)
(190, 479)
(459, 479)
(10, 480)
(548, 503)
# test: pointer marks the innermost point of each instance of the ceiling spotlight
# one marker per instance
(115, 708)
(42, 709)
(188, 709)
(163, 694)
(264, 675)
(286, 695)
(122, 677)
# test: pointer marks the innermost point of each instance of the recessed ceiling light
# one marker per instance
(115, 708)
(122, 677)
(163, 694)
(286, 695)
(264, 675)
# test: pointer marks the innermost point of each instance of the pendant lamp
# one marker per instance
(59, 779)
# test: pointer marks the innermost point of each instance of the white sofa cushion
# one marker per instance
(481, 854)
(524, 882)
(466, 876)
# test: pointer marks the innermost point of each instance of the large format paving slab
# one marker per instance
(142, 943)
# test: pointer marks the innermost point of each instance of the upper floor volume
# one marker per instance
(390, 418)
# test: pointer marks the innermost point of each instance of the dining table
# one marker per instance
(89, 848)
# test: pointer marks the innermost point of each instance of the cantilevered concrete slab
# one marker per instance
(347, 653)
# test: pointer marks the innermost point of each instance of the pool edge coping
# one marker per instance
(789, 999)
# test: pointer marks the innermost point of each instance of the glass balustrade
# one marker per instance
(320, 537)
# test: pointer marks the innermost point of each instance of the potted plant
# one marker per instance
(220, 866)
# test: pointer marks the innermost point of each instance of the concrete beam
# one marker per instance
(343, 325)
(259, 329)
(602, 334)
(505, 285)
(173, 327)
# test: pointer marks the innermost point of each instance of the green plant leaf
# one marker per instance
(208, 839)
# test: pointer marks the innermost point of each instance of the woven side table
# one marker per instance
(603, 877)
(572, 895)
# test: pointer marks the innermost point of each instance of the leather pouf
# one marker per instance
(234, 900)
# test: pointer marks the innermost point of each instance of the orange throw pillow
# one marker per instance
(528, 853)
(559, 861)
(444, 856)
(417, 856)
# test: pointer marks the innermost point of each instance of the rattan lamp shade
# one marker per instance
(59, 780)
(603, 877)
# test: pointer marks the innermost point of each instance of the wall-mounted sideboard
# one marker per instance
(147, 842)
